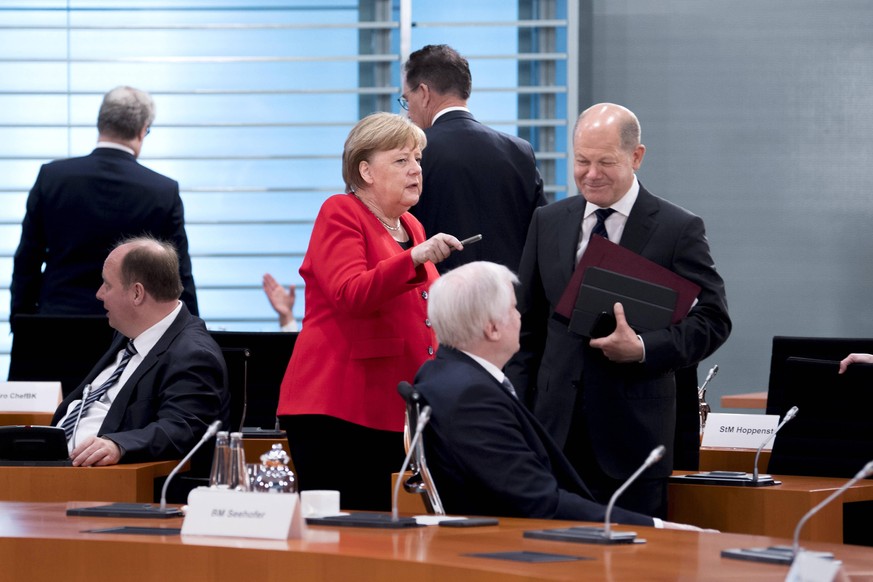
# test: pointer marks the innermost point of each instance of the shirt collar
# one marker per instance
(145, 341)
(115, 146)
(447, 110)
(489, 367)
(624, 205)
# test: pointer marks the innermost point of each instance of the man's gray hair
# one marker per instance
(125, 112)
(465, 300)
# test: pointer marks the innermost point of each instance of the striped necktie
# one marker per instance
(600, 227)
(507, 385)
(94, 395)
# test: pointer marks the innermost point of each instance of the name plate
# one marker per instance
(29, 396)
(221, 512)
(739, 431)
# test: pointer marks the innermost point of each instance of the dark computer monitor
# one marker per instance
(267, 360)
(57, 348)
(832, 435)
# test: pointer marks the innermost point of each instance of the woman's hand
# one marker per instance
(435, 249)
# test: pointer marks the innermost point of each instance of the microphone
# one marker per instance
(784, 554)
(386, 520)
(865, 472)
(792, 412)
(587, 534)
(702, 406)
(423, 418)
(210, 432)
(85, 393)
(147, 509)
(739, 478)
(656, 455)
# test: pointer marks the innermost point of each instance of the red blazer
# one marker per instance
(365, 326)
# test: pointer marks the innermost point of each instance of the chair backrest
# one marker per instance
(80, 341)
(421, 481)
(831, 436)
(269, 353)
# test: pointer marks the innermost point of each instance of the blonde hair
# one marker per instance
(377, 132)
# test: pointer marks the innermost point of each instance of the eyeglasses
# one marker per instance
(148, 130)
(402, 99)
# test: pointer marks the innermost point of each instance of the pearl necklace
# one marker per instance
(373, 212)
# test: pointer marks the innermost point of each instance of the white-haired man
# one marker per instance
(488, 454)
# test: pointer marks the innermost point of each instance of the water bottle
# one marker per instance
(219, 476)
(239, 478)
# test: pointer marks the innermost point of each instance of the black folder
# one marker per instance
(647, 306)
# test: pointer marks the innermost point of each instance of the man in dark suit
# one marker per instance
(488, 454)
(476, 180)
(80, 207)
(163, 381)
(611, 400)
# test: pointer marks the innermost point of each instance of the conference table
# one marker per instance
(39, 542)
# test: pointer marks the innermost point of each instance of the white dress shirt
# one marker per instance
(92, 418)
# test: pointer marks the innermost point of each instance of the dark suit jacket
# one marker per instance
(489, 455)
(630, 408)
(177, 391)
(478, 180)
(76, 211)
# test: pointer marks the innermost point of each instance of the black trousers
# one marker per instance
(646, 495)
(329, 453)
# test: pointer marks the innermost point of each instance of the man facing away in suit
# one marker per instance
(476, 180)
(163, 381)
(80, 207)
(488, 454)
(611, 400)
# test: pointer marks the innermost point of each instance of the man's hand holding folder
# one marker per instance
(622, 345)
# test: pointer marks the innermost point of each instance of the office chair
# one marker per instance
(85, 338)
(420, 482)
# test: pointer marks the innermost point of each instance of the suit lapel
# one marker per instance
(641, 223)
(568, 235)
(116, 412)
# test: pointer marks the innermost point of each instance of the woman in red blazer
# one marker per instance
(367, 271)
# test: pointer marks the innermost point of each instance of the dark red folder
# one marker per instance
(612, 257)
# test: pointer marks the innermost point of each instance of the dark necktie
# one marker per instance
(507, 385)
(94, 395)
(600, 227)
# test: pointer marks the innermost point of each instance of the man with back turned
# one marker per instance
(79, 208)
(476, 180)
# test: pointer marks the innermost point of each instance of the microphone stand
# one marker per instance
(147, 510)
(865, 472)
(210, 432)
(601, 535)
(85, 393)
(792, 412)
(786, 554)
(739, 478)
(423, 418)
(703, 407)
(385, 520)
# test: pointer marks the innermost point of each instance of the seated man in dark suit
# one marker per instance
(163, 381)
(488, 454)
